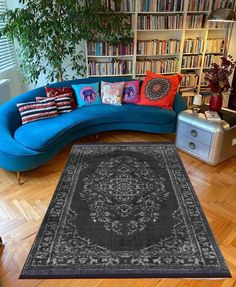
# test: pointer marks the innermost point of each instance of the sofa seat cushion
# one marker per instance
(42, 135)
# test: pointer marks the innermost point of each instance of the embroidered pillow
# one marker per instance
(131, 92)
(159, 90)
(87, 94)
(62, 103)
(53, 92)
(112, 93)
(34, 111)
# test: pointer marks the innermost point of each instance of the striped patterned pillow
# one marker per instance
(54, 92)
(34, 111)
(63, 103)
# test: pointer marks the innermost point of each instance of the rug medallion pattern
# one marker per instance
(124, 210)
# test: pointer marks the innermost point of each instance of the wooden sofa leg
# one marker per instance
(18, 177)
(96, 137)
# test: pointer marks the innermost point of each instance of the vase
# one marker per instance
(215, 104)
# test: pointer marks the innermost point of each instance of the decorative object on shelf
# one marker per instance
(218, 81)
(215, 103)
(222, 15)
(46, 41)
(197, 101)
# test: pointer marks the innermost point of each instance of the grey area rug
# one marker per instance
(124, 210)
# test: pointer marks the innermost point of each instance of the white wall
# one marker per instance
(16, 85)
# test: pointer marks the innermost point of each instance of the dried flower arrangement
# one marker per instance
(218, 76)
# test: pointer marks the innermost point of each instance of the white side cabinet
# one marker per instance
(211, 142)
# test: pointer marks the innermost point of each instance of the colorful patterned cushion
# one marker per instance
(33, 111)
(112, 93)
(159, 90)
(62, 102)
(53, 92)
(87, 94)
(131, 92)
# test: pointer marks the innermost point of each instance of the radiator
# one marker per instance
(5, 92)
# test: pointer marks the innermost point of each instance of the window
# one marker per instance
(7, 54)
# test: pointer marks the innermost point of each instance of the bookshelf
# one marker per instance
(169, 36)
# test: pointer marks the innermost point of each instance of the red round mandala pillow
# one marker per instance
(159, 90)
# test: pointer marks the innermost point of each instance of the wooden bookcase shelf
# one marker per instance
(203, 31)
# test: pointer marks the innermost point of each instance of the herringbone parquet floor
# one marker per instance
(22, 209)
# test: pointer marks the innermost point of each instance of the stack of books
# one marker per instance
(194, 46)
(212, 116)
(154, 22)
(158, 47)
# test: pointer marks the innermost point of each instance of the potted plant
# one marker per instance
(218, 81)
(50, 34)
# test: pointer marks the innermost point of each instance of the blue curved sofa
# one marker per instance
(25, 147)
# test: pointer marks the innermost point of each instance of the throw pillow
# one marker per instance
(112, 93)
(159, 90)
(34, 111)
(62, 102)
(87, 94)
(53, 92)
(131, 92)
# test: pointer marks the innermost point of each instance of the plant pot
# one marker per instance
(215, 104)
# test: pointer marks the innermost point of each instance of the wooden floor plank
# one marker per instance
(22, 209)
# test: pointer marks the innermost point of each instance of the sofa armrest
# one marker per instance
(179, 104)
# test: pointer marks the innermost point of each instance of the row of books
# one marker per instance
(166, 5)
(191, 61)
(154, 22)
(108, 49)
(195, 21)
(161, 5)
(193, 45)
(157, 66)
(189, 80)
(218, 25)
(110, 68)
(198, 5)
(210, 59)
(127, 6)
(222, 4)
(158, 47)
(155, 47)
(122, 6)
(215, 45)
